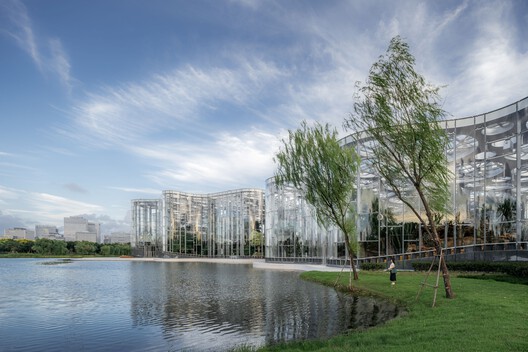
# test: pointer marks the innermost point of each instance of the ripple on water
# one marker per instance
(149, 306)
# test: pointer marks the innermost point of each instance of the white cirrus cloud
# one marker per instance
(47, 53)
(242, 160)
(55, 208)
(170, 101)
(138, 190)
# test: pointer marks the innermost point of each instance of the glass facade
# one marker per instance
(488, 157)
(213, 225)
(292, 230)
(146, 227)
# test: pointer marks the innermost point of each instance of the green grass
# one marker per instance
(486, 315)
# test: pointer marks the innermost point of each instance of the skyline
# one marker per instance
(103, 102)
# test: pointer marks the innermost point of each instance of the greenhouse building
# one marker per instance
(488, 157)
(224, 224)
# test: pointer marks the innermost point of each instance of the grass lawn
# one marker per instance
(486, 315)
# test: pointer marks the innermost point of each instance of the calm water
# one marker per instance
(49, 305)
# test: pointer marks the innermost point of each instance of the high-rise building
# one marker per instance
(19, 233)
(47, 231)
(77, 228)
(118, 237)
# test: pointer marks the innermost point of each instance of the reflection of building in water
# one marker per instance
(488, 156)
(217, 224)
(200, 306)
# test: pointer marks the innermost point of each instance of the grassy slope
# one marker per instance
(486, 315)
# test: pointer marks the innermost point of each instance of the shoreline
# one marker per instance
(257, 263)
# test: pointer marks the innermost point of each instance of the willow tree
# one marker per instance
(312, 161)
(401, 113)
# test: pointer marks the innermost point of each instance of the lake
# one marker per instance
(56, 305)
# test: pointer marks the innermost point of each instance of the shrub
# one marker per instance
(516, 269)
(373, 266)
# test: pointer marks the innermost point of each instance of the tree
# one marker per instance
(313, 161)
(85, 247)
(400, 112)
(46, 246)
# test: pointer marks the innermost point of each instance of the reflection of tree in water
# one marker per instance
(233, 302)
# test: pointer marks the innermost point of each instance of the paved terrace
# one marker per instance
(257, 263)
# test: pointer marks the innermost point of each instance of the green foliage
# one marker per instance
(85, 248)
(46, 247)
(50, 247)
(115, 249)
(8, 245)
(401, 112)
(256, 238)
(516, 269)
(313, 161)
(373, 266)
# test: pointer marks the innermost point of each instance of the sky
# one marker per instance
(106, 101)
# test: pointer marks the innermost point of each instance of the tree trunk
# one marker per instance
(351, 256)
(443, 265)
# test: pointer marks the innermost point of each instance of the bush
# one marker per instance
(373, 266)
(515, 269)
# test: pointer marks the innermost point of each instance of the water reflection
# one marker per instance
(163, 306)
(227, 305)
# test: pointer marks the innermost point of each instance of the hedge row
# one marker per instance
(516, 269)
(374, 266)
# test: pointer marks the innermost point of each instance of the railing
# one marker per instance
(513, 251)
(296, 260)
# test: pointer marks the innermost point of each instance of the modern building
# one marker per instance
(147, 230)
(77, 228)
(488, 157)
(47, 231)
(19, 233)
(213, 225)
(292, 229)
(118, 237)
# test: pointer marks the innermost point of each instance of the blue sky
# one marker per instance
(105, 101)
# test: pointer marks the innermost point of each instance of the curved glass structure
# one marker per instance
(218, 224)
(488, 157)
(292, 230)
(146, 225)
(212, 225)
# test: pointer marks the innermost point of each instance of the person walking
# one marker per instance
(392, 269)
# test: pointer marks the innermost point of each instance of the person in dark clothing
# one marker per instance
(392, 269)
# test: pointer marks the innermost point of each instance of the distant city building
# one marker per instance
(117, 237)
(18, 233)
(77, 228)
(86, 236)
(47, 231)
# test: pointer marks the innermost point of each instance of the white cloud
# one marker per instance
(169, 101)
(7, 193)
(232, 161)
(55, 208)
(44, 208)
(138, 190)
(493, 73)
(47, 54)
